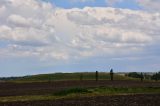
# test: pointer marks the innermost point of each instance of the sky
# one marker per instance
(49, 36)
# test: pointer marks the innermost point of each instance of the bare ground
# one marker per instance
(41, 88)
(119, 100)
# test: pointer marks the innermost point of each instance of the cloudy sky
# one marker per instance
(47, 36)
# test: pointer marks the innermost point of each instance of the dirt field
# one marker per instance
(19, 89)
(41, 88)
(126, 100)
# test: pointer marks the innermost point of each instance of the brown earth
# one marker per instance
(40, 88)
(123, 100)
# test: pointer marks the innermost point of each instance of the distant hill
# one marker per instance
(64, 76)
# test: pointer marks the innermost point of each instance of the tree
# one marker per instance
(156, 76)
(111, 74)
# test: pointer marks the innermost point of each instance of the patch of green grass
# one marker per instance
(72, 91)
(26, 98)
(84, 92)
(116, 90)
(108, 90)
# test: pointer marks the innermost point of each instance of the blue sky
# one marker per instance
(128, 4)
(67, 4)
(48, 36)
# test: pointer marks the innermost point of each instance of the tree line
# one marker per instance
(155, 76)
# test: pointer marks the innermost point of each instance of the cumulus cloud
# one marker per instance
(37, 29)
(151, 5)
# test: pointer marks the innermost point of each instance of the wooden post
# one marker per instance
(142, 77)
(96, 75)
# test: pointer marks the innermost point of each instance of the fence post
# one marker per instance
(142, 77)
(96, 75)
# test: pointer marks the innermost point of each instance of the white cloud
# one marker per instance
(36, 28)
(18, 20)
(151, 5)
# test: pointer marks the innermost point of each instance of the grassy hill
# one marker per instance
(67, 76)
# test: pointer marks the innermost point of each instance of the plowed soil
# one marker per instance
(123, 100)
(40, 88)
